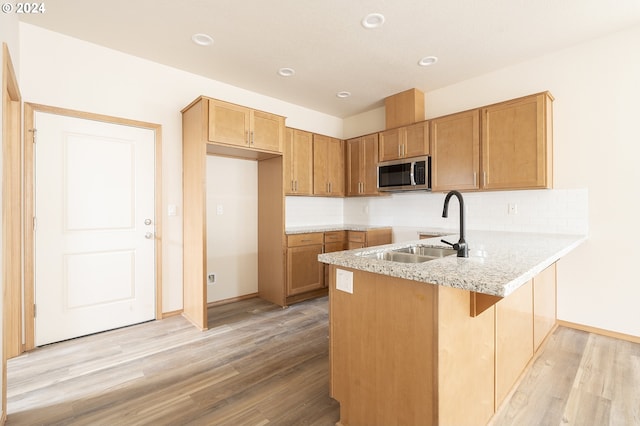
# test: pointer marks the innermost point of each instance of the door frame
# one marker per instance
(29, 239)
(12, 272)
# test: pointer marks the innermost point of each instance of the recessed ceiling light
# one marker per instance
(286, 72)
(202, 39)
(428, 60)
(343, 94)
(373, 20)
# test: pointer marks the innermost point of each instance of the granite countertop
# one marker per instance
(327, 228)
(498, 262)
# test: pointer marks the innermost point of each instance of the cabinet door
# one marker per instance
(298, 162)
(321, 164)
(229, 123)
(336, 170)
(390, 144)
(544, 305)
(416, 140)
(353, 166)
(267, 132)
(516, 144)
(328, 166)
(368, 164)
(455, 151)
(514, 338)
(304, 272)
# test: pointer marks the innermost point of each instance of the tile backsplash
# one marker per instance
(563, 211)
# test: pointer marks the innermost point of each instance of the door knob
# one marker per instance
(147, 221)
(148, 235)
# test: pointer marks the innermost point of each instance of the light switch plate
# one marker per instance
(344, 280)
(172, 210)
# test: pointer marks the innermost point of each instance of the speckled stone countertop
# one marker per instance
(328, 228)
(498, 262)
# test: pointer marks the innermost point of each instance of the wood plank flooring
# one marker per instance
(259, 364)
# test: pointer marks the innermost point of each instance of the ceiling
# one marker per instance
(329, 49)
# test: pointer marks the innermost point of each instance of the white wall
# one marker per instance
(232, 227)
(70, 73)
(8, 34)
(312, 211)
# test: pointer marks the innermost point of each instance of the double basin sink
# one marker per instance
(412, 254)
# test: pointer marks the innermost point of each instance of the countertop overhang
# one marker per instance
(330, 228)
(498, 262)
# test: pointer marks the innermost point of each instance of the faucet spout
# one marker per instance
(461, 245)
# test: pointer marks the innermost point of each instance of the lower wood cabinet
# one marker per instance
(404, 352)
(304, 272)
(370, 238)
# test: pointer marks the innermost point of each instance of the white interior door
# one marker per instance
(95, 226)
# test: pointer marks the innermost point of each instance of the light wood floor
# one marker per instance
(259, 364)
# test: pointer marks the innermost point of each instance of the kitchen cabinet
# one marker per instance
(455, 151)
(304, 272)
(544, 305)
(328, 166)
(199, 139)
(514, 338)
(404, 142)
(447, 359)
(369, 238)
(517, 143)
(333, 241)
(362, 161)
(298, 162)
(237, 125)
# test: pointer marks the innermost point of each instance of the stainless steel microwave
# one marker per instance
(407, 174)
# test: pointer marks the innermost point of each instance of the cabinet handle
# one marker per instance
(296, 186)
(247, 141)
(484, 178)
(252, 141)
(399, 150)
(292, 187)
(330, 188)
(475, 178)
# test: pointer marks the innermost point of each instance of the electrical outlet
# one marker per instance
(512, 209)
(211, 278)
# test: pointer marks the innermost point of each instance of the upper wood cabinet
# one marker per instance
(298, 162)
(245, 127)
(517, 143)
(455, 151)
(328, 166)
(404, 142)
(362, 159)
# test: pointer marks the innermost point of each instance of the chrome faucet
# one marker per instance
(461, 245)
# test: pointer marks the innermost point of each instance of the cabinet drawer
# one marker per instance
(297, 240)
(357, 236)
(331, 247)
(334, 236)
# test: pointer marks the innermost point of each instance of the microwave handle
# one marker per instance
(413, 169)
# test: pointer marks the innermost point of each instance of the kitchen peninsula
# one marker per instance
(443, 341)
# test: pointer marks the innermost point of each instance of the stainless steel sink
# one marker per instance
(412, 254)
(422, 250)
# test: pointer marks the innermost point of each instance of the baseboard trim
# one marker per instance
(171, 314)
(595, 330)
(231, 300)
